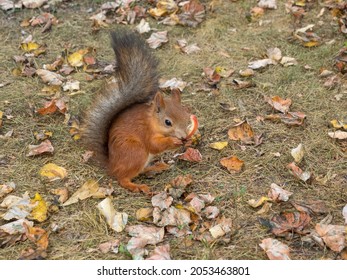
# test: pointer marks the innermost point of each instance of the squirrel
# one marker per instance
(130, 120)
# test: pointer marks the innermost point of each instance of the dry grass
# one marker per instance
(82, 227)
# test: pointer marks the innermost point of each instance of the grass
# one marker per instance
(81, 228)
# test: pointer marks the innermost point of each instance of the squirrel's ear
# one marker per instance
(176, 95)
(159, 102)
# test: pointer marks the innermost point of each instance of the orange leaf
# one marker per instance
(233, 164)
(192, 155)
(241, 131)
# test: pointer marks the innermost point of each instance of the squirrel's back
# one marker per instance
(136, 82)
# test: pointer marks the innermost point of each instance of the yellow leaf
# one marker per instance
(75, 59)
(89, 189)
(39, 213)
(28, 47)
(53, 172)
(338, 124)
(256, 203)
(311, 44)
(219, 145)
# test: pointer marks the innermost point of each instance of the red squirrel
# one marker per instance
(130, 121)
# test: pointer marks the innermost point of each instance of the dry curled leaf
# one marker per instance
(162, 200)
(49, 77)
(192, 155)
(44, 147)
(278, 103)
(241, 131)
(338, 134)
(232, 163)
(144, 214)
(160, 253)
(334, 236)
(298, 172)
(62, 193)
(275, 250)
(182, 181)
(7, 188)
(256, 203)
(277, 194)
(298, 153)
(310, 206)
(109, 246)
(157, 39)
(116, 220)
(53, 172)
(52, 106)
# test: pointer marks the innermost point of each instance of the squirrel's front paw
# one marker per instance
(177, 141)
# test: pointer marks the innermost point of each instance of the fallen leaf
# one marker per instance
(240, 84)
(246, 73)
(267, 4)
(193, 13)
(182, 181)
(275, 250)
(109, 246)
(298, 172)
(160, 253)
(212, 76)
(291, 118)
(52, 106)
(338, 134)
(37, 235)
(334, 236)
(279, 104)
(211, 212)
(42, 135)
(33, 254)
(298, 153)
(17, 207)
(218, 145)
(277, 194)
(39, 212)
(44, 147)
(222, 227)
(141, 236)
(287, 222)
(256, 203)
(188, 49)
(196, 205)
(243, 132)
(163, 7)
(76, 59)
(311, 206)
(49, 77)
(173, 83)
(62, 193)
(192, 155)
(53, 172)
(162, 200)
(116, 220)
(258, 64)
(288, 61)
(89, 189)
(144, 214)
(16, 227)
(274, 54)
(143, 27)
(265, 208)
(208, 198)
(232, 163)
(71, 85)
(33, 4)
(339, 124)
(171, 217)
(7, 188)
(157, 39)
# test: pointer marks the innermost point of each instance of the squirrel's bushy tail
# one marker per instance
(136, 82)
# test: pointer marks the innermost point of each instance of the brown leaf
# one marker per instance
(192, 14)
(50, 78)
(160, 253)
(211, 212)
(37, 235)
(297, 172)
(286, 222)
(278, 103)
(334, 236)
(232, 163)
(52, 106)
(44, 147)
(310, 206)
(157, 39)
(162, 200)
(62, 193)
(144, 214)
(212, 76)
(277, 194)
(109, 246)
(192, 155)
(182, 181)
(241, 131)
(275, 249)
(172, 217)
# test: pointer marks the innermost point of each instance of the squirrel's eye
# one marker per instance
(168, 123)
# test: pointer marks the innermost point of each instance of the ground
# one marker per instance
(226, 30)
